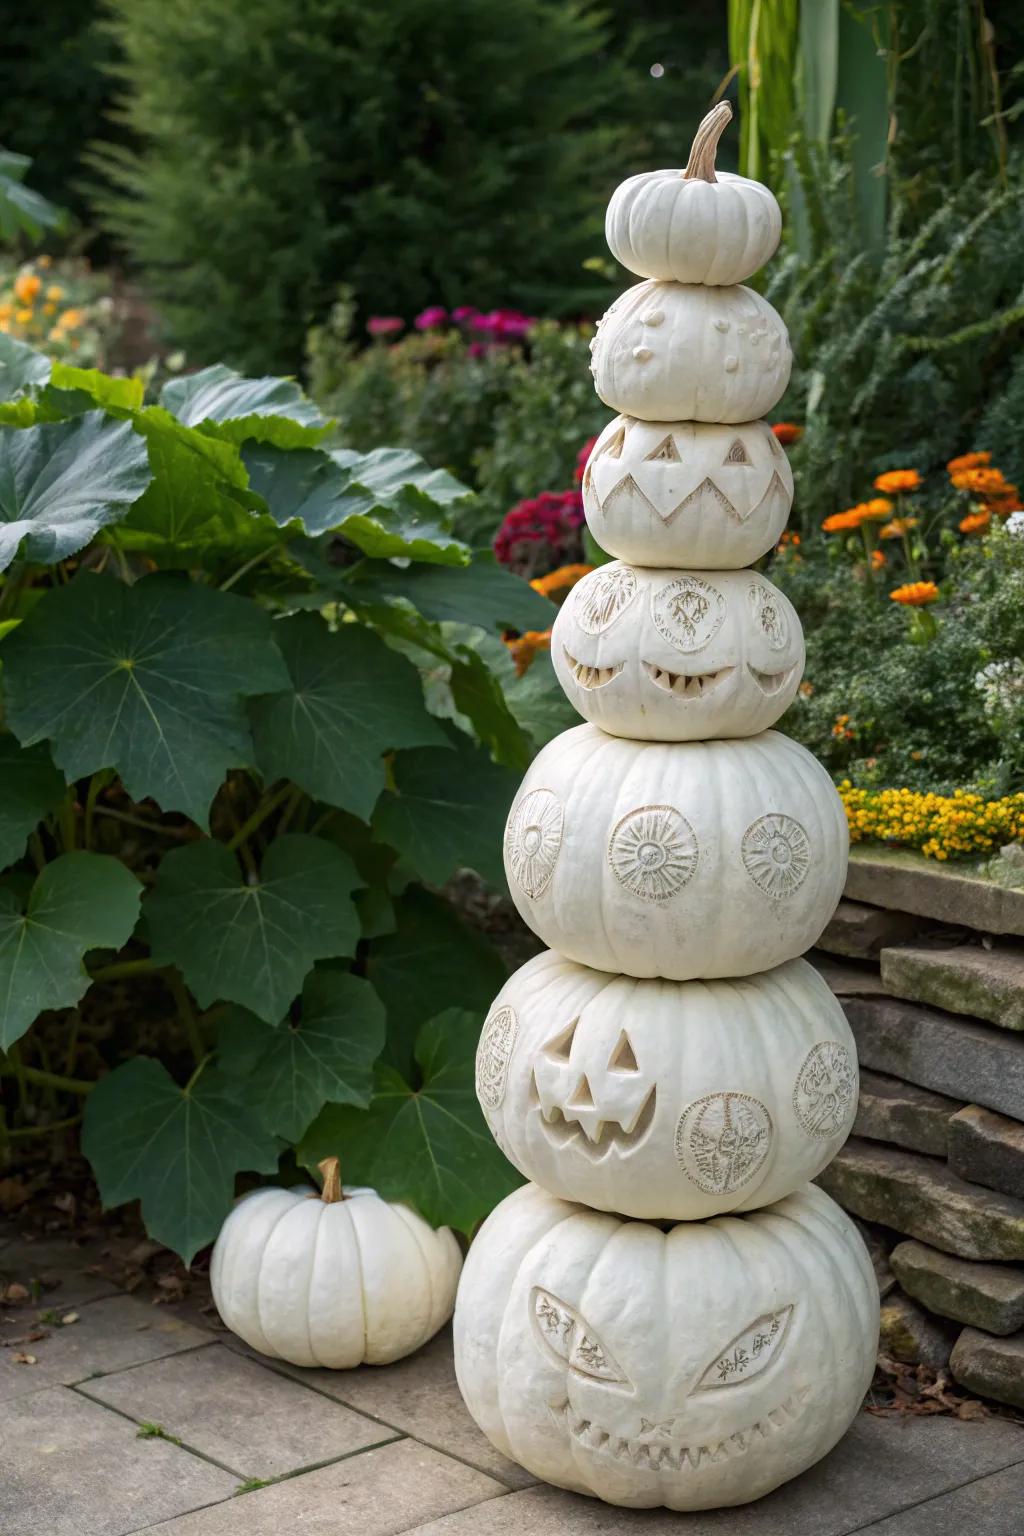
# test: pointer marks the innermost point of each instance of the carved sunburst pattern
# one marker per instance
(769, 615)
(497, 1041)
(653, 852)
(722, 1140)
(776, 854)
(688, 612)
(533, 838)
(602, 596)
(825, 1090)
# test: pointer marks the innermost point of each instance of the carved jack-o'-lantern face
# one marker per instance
(662, 655)
(659, 1099)
(692, 1367)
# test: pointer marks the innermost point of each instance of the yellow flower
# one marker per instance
(914, 594)
(23, 316)
(561, 580)
(897, 528)
(6, 311)
(72, 318)
(895, 480)
(49, 309)
(54, 292)
(26, 286)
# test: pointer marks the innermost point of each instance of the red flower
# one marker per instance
(430, 318)
(464, 313)
(540, 532)
(787, 432)
(384, 325)
(582, 457)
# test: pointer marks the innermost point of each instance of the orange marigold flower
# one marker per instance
(787, 432)
(72, 318)
(875, 511)
(842, 522)
(895, 480)
(525, 647)
(789, 538)
(877, 560)
(915, 593)
(974, 522)
(897, 528)
(26, 287)
(968, 461)
(983, 482)
(562, 580)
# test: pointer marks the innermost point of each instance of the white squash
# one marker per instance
(694, 1367)
(684, 493)
(671, 1100)
(714, 858)
(662, 655)
(694, 226)
(683, 352)
(334, 1278)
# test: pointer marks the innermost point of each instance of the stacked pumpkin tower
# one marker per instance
(670, 1313)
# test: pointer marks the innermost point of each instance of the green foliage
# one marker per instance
(221, 696)
(22, 211)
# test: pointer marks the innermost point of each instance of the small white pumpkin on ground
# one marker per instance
(334, 1278)
(694, 225)
(691, 494)
(694, 1367)
(683, 352)
(670, 655)
(682, 859)
(672, 1100)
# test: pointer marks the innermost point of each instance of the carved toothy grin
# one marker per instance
(707, 488)
(686, 685)
(596, 1138)
(770, 682)
(590, 677)
(666, 1455)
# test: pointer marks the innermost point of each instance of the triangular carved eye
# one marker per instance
(616, 444)
(737, 454)
(569, 1337)
(623, 1058)
(749, 1352)
(560, 1046)
(665, 453)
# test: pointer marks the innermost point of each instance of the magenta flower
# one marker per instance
(430, 318)
(384, 325)
(551, 521)
(464, 313)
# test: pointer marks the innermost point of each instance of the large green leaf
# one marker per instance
(177, 1150)
(428, 1145)
(63, 481)
(327, 1055)
(537, 702)
(30, 786)
(350, 699)
(23, 211)
(484, 593)
(21, 367)
(477, 694)
(227, 405)
(253, 941)
(147, 680)
(80, 901)
(447, 811)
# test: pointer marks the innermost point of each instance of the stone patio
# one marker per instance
(118, 1416)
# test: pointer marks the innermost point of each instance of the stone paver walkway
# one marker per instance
(134, 1418)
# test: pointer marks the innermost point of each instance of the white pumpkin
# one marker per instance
(693, 225)
(687, 493)
(335, 1278)
(669, 1100)
(661, 655)
(683, 352)
(694, 1367)
(713, 858)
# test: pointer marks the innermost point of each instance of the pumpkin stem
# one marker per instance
(332, 1191)
(701, 164)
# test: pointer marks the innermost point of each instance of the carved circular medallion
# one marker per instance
(825, 1090)
(602, 596)
(776, 853)
(688, 612)
(532, 839)
(769, 615)
(722, 1140)
(653, 852)
(497, 1041)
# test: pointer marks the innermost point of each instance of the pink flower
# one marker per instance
(430, 318)
(513, 324)
(488, 322)
(540, 529)
(477, 349)
(384, 325)
(464, 313)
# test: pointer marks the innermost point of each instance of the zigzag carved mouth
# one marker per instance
(606, 1134)
(770, 682)
(707, 488)
(661, 1455)
(591, 677)
(686, 685)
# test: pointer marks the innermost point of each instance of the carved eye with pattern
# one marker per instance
(749, 1353)
(570, 1338)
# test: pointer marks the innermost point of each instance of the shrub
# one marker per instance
(60, 306)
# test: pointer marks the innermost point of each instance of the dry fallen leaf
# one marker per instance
(20, 1359)
(69, 1317)
(16, 1292)
(13, 1194)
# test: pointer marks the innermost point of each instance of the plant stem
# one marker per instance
(187, 1015)
(267, 806)
(243, 570)
(41, 1130)
(97, 783)
(297, 797)
(44, 1079)
(147, 826)
(122, 968)
(38, 852)
(199, 1067)
(701, 164)
(68, 821)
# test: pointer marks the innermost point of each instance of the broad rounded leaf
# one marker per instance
(21, 367)
(253, 943)
(231, 406)
(177, 1150)
(291, 1072)
(350, 700)
(484, 594)
(429, 1145)
(30, 787)
(147, 680)
(63, 481)
(80, 901)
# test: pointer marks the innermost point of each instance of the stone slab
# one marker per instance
(419, 1396)
(911, 1117)
(976, 1063)
(909, 1334)
(988, 1296)
(108, 1336)
(847, 979)
(878, 1252)
(992, 1366)
(377, 1493)
(859, 932)
(908, 882)
(250, 1420)
(55, 1271)
(988, 1506)
(71, 1468)
(881, 1466)
(962, 978)
(920, 1197)
(986, 1148)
